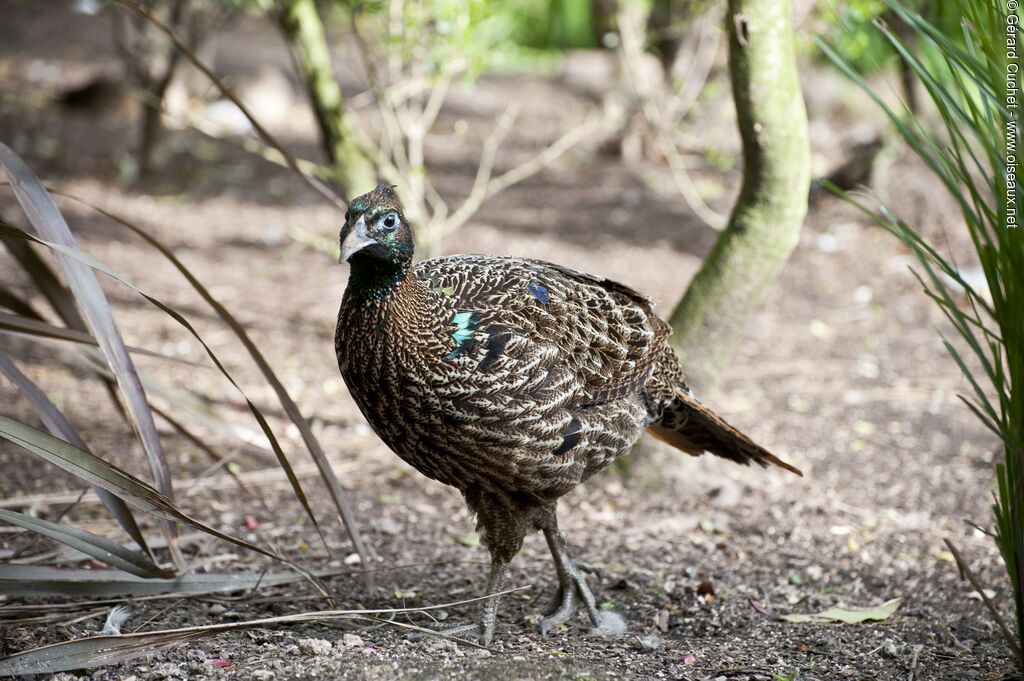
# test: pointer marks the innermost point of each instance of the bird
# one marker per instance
(856, 171)
(513, 381)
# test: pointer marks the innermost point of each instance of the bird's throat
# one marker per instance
(373, 280)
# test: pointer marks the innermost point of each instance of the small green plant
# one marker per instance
(973, 152)
(793, 675)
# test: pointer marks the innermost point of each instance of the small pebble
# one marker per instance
(167, 670)
(314, 646)
(351, 641)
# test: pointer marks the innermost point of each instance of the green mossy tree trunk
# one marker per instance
(765, 224)
(352, 172)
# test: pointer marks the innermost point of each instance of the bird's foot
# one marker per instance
(572, 591)
(558, 603)
(475, 633)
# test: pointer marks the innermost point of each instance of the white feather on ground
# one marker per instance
(119, 614)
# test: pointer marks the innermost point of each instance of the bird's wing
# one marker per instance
(537, 322)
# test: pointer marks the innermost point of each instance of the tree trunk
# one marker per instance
(765, 223)
(304, 30)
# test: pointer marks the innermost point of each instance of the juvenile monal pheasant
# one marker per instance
(513, 381)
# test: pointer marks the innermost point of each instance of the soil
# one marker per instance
(842, 372)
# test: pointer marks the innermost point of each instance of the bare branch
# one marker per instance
(699, 68)
(685, 186)
(660, 118)
(433, 105)
(484, 189)
(253, 145)
(313, 182)
(392, 126)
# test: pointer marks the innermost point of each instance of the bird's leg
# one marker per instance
(573, 589)
(489, 607)
(484, 628)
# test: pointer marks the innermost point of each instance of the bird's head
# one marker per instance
(376, 234)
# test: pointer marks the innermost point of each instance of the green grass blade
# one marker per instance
(967, 85)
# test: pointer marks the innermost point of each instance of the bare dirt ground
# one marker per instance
(841, 372)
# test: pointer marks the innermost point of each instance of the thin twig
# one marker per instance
(160, 612)
(313, 182)
(699, 69)
(630, 53)
(913, 662)
(521, 172)
(252, 145)
(965, 571)
(127, 646)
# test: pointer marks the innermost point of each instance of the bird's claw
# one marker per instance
(559, 601)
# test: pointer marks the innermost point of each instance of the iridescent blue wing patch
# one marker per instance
(539, 291)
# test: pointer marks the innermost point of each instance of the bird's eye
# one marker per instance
(389, 222)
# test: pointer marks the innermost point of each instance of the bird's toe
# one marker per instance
(555, 603)
(553, 621)
(562, 610)
(586, 567)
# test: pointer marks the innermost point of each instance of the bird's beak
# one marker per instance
(356, 240)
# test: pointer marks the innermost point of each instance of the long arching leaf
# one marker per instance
(291, 409)
(94, 470)
(86, 259)
(21, 581)
(50, 224)
(100, 548)
(28, 326)
(59, 426)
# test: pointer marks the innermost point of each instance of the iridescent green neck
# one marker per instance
(373, 280)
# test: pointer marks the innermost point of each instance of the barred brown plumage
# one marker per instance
(512, 380)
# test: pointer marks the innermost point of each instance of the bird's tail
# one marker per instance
(689, 426)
